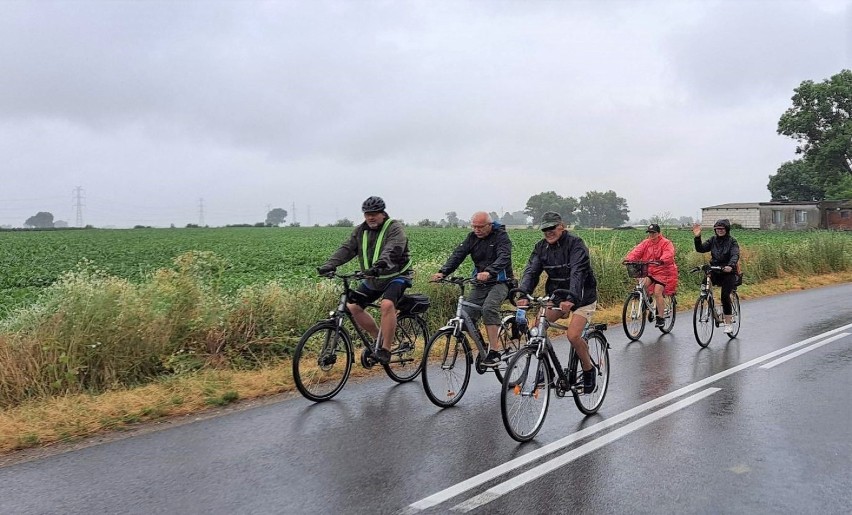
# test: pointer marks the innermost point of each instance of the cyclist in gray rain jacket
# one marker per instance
(490, 249)
(381, 246)
(565, 258)
(725, 252)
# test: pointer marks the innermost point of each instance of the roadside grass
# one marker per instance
(71, 417)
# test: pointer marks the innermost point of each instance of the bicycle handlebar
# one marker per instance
(354, 275)
(467, 280)
(653, 262)
(707, 268)
(517, 292)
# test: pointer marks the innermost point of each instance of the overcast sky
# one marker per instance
(160, 111)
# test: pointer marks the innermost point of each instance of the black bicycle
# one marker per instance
(448, 357)
(706, 316)
(639, 306)
(530, 375)
(324, 355)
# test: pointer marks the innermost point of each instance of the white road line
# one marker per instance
(518, 481)
(499, 470)
(802, 351)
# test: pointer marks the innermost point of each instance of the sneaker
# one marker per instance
(728, 329)
(589, 379)
(660, 323)
(492, 359)
(383, 356)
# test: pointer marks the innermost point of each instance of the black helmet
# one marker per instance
(373, 205)
(723, 222)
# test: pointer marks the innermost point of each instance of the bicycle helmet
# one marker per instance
(373, 205)
(723, 222)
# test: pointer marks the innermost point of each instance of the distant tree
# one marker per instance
(452, 219)
(426, 223)
(60, 224)
(276, 216)
(40, 220)
(343, 222)
(685, 221)
(599, 209)
(294, 224)
(494, 216)
(796, 180)
(541, 203)
(821, 121)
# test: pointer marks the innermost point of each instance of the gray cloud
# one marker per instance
(439, 106)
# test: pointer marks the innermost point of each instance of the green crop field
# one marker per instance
(31, 260)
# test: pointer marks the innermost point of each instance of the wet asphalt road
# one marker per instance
(727, 429)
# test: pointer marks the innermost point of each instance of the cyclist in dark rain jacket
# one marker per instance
(565, 258)
(725, 252)
(489, 247)
(381, 246)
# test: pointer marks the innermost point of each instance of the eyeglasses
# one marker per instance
(479, 226)
(552, 229)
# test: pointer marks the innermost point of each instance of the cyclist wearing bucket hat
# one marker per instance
(661, 277)
(725, 252)
(381, 246)
(565, 258)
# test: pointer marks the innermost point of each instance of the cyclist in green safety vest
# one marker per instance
(381, 246)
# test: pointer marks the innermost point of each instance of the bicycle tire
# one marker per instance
(523, 401)
(703, 321)
(670, 309)
(320, 373)
(446, 367)
(736, 315)
(409, 338)
(633, 316)
(590, 403)
(509, 346)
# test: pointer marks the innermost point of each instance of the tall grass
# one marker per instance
(91, 331)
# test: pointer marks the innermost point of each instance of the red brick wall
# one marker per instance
(835, 220)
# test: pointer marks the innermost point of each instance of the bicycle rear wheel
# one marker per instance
(589, 403)
(525, 395)
(670, 310)
(322, 361)
(509, 345)
(407, 349)
(446, 368)
(633, 316)
(702, 321)
(736, 315)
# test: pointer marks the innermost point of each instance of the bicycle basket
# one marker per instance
(414, 303)
(637, 270)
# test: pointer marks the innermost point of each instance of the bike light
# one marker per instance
(533, 332)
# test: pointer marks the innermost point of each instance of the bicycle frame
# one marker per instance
(339, 316)
(544, 347)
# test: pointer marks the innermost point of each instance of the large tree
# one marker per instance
(41, 220)
(541, 203)
(795, 180)
(599, 209)
(821, 121)
(276, 216)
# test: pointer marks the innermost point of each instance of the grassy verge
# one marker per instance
(71, 417)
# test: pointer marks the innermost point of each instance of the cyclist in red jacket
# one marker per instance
(663, 276)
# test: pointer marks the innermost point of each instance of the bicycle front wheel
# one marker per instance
(736, 315)
(407, 349)
(446, 368)
(670, 310)
(322, 361)
(590, 402)
(511, 338)
(525, 395)
(633, 317)
(702, 321)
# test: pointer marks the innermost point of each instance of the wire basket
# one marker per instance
(637, 270)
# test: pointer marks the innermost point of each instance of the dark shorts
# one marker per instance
(655, 281)
(394, 291)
